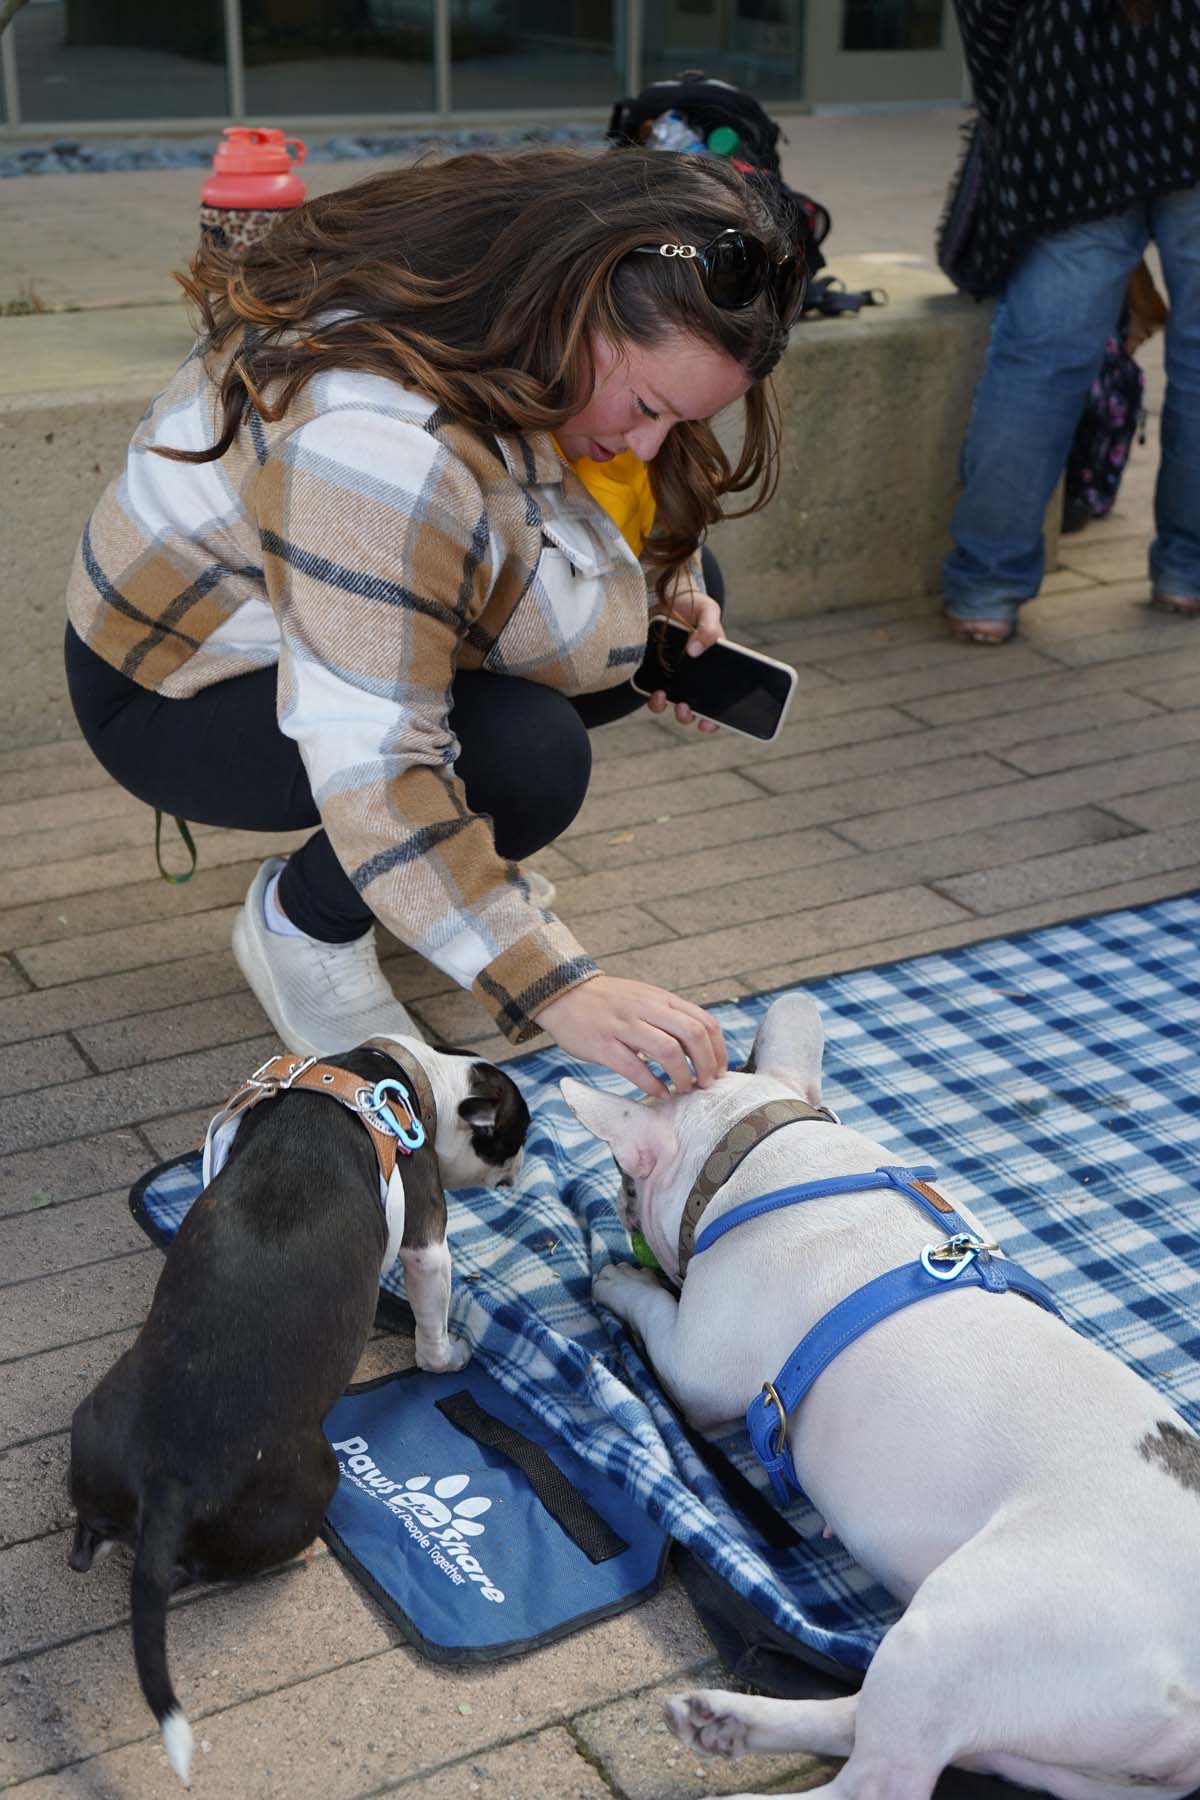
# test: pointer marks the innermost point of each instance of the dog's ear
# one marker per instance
(495, 1113)
(788, 1046)
(639, 1136)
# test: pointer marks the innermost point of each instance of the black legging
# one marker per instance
(220, 758)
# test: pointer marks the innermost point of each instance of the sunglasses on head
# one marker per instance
(736, 268)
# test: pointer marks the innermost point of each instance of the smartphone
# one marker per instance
(741, 689)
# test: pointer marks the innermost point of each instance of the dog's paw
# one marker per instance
(444, 1358)
(613, 1278)
(708, 1720)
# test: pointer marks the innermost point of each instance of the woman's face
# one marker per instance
(642, 390)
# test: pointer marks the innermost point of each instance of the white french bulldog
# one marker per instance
(1034, 1503)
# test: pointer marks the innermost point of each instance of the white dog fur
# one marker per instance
(1034, 1503)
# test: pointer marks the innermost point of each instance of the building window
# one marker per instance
(892, 24)
(756, 44)
(510, 55)
(307, 57)
(120, 59)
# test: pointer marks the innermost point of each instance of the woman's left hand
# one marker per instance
(697, 609)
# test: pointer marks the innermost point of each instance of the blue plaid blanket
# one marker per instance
(1054, 1079)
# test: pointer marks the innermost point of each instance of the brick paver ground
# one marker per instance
(924, 795)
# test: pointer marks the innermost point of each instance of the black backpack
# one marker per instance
(705, 105)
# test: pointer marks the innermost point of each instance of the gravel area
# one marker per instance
(72, 156)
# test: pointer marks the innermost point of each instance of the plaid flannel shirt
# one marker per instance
(370, 546)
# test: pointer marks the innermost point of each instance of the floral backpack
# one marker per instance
(1112, 416)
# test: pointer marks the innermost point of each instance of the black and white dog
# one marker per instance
(202, 1447)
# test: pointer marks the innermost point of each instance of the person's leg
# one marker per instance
(1046, 343)
(524, 758)
(714, 580)
(1175, 552)
(218, 758)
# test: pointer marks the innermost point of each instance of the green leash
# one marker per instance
(184, 831)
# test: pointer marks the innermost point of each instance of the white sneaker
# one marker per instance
(321, 998)
(541, 889)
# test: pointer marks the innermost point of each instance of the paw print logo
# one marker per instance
(428, 1505)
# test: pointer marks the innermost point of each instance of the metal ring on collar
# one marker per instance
(959, 1252)
(769, 1395)
(372, 1103)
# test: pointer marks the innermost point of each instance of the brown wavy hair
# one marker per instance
(477, 280)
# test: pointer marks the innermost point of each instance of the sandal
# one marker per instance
(980, 631)
(1176, 603)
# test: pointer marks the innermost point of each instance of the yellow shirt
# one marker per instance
(622, 488)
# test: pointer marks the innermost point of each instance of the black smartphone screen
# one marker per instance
(723, 683)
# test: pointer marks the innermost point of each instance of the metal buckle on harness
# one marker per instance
(769, 1394)
(294, 1073)
(274, 1084)
(259, 1079)
(959, 1252)
(372, 1104)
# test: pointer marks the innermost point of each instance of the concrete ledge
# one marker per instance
(873, 413)
(72, 389)
(873, 410)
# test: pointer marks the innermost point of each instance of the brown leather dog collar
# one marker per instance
(417, 1078)
(752, 1129)
(281, 1074)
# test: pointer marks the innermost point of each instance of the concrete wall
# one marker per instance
(873, 414)
(873, 411)
(72, 389)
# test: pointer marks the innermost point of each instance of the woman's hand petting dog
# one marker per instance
(626, 1024)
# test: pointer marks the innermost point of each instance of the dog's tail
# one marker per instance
(166, 1508)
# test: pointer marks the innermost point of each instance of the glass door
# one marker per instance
(860, 52)
(755, 44)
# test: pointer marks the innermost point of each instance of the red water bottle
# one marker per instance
(253, 180)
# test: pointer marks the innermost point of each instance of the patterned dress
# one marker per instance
(1080, 113)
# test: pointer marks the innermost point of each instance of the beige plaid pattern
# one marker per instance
(370, 547)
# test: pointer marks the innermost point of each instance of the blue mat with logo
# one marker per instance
(1054, 1081)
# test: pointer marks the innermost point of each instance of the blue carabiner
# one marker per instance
(413, 1140)
(960, 1252)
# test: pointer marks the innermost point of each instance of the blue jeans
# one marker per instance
(1047, 339)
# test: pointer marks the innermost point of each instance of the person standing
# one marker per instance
(1089, 113)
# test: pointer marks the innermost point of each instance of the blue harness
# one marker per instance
(962, 1258)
